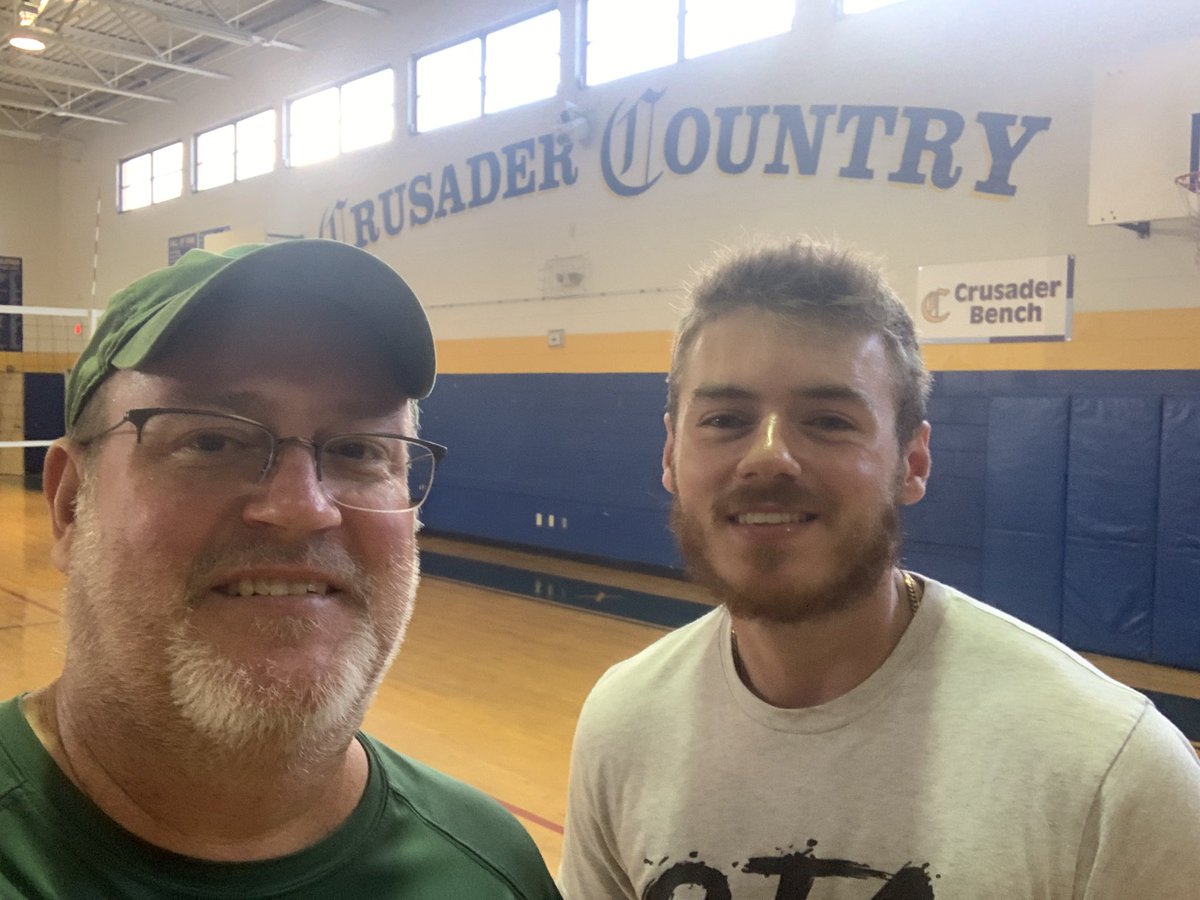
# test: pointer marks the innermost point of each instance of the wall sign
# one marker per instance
(1003, 300)
(645, 139)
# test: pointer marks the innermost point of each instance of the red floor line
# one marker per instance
(30, 601)
(532, 817)
(27, 625)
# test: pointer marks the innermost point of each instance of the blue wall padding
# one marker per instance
(1071, 499)
(951, 513)
(587, 447)
(1112, 521)
(1176, 638)
(944, 532)
(958, 566)
(1025, 496)
(44, 405)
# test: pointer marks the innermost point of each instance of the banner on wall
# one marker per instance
(180, 244)
(1002, 300)
(11, 336)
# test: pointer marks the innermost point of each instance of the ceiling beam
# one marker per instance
(358, 7)
(51, 78)
(121, 50)
(57, 111)
(205, 25)
(20, 135)
(24, 89)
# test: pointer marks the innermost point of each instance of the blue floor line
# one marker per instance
(652, 609)
(668, 612)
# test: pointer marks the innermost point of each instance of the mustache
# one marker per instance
(782, 493)
(323, 555)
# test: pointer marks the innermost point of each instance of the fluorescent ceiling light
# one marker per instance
(27, 39)
(28, 36)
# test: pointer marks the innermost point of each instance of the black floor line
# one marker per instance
(653, 609)
(669, 612)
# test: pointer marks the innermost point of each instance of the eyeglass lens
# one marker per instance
(361, 471)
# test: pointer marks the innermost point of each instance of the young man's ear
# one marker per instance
(668, 472)
(917, 464)
(62, 477)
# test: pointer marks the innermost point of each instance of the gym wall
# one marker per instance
(1065, 474)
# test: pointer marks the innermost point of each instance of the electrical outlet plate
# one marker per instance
(556, 337)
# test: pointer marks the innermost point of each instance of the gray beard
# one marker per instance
(229, 711)
(303, 721)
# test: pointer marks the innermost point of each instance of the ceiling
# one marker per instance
(104, 56)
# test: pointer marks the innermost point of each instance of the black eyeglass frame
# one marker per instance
(139, 417)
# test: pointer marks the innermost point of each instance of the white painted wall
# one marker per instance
(29, 185)
(1024, 57)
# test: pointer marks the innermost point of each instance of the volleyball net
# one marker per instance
(38, 345)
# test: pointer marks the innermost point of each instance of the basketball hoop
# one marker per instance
(1189, 191)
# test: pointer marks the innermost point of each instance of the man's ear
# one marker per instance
(62, 476)
(668, 471)
(917, 464)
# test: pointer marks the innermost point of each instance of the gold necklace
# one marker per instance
(914, 603)
(910, 587)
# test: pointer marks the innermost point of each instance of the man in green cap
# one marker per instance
(234, 505)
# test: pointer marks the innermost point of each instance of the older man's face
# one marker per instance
(261, 615)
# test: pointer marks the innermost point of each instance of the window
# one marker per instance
(489, 72)
(236, 151)
(151, 177)
(629, 36)
(349, 116)
(368, 113)
(852, 7)
(712, 25)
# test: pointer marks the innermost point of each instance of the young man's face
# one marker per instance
(260, 613)
(784, 465)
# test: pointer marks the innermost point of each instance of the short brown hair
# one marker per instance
(802, 280)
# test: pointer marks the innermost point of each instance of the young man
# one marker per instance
(841, 728)
(235, 508)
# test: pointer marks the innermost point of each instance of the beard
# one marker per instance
(863, 553)
(131, 629)
(242, 706)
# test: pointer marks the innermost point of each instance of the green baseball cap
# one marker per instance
(141, 319)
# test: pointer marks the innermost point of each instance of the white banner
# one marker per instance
(1003, 300)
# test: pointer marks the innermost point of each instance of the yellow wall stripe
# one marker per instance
(1124, 340)
(631, 351)
(33, 361)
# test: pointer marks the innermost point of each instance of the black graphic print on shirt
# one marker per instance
(795, 874)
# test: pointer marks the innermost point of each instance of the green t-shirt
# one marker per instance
(415, 834)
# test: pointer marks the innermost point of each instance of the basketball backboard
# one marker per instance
(1145, 133)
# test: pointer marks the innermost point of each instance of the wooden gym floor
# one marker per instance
(488, 684)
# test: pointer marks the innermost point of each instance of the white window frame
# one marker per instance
(197, 162)
(121, 183)
(414, 95)
(289, 158)
(680, 54)
(862, 7)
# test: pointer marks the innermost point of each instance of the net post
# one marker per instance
(1189, 191)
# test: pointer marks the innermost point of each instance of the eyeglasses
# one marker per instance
(373, 471)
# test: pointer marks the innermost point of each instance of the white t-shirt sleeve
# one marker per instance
(1142, 838)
